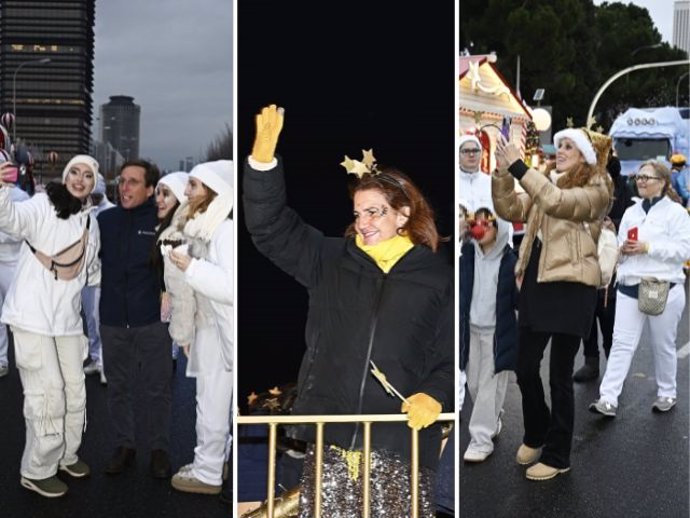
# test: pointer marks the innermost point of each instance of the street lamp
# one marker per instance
(38, 61)
(678, 86)
(626, 71)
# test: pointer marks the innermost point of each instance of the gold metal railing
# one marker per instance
(320, 421)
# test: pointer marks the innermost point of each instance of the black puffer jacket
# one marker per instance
(402, 320)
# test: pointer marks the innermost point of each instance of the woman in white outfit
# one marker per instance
(170, 197)
(655, 242)
(43, 310)
(207, 260)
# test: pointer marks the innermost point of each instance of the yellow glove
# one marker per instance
(269, 123)
(422, 410)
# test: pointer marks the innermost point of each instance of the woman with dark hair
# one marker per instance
(379, 296)
(558, 274)
(42, 309)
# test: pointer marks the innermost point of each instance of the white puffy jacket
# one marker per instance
(36, 301)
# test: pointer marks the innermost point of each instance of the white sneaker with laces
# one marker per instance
(603, 407)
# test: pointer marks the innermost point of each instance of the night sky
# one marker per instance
(351, 76)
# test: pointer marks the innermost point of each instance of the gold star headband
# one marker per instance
(360, 168)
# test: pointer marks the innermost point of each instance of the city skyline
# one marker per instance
(176, 61)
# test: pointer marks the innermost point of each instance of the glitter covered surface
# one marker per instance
(341, 495)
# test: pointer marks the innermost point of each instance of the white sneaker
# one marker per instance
(91, 368)
(472, 455)
(663, 404)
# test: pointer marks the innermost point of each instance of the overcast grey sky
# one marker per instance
(175, 58)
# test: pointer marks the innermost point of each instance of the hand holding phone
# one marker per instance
(632, 234)
(505, 127)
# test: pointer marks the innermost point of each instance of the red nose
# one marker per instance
(477, 231)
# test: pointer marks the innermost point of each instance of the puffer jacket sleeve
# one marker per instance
(440, 383)
(508, 203)
(277, 231)
(93, 265)
(22, 219)
(587, 203)
(214, 280)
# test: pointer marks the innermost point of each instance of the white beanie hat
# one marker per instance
(217, 175)
(469, 138)
(87, 160)
(176, 182)
(100, 185)
(581, 141)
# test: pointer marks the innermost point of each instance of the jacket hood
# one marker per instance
(502, 238)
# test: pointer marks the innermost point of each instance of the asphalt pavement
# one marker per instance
(133, 494)
(635, 465)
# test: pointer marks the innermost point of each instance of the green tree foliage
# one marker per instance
(570, 48)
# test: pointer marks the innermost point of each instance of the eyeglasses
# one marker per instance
(471, 151)
(644, 178)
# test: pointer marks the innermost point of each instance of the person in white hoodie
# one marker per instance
(207, 260)
(42, 309)
(91, 295)
(488, 337)
(10, 247)
(654, 235)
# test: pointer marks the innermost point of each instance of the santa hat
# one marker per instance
(217, 175)
(469, 138)
(594, 146)
(86, 160)
(176, 182)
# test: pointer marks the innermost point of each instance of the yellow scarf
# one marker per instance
(386, 253)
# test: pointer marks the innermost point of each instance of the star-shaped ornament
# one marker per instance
(348, 164)
(271, 404)
(275, 391)
(252, 397)
(569, 122)
(359, 168)
(591, 122)
(368, 157)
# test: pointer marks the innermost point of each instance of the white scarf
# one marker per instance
(202, 226)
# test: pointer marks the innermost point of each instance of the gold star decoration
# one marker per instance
(368, 158)
(569, 122)
(600, 129)
(251, 398)
(359, 168)
(271, 404)
(591, 122)
(348, 164)
(275, 391)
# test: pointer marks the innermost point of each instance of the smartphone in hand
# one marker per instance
(505, 127)
(632, 234)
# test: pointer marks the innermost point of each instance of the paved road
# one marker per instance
(635, 465)
(134, 494)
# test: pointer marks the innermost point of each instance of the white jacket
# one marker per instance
(475, 189)
(212, 279)
(36, 301)
(667, 230)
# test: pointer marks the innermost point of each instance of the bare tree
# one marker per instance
(221, 147)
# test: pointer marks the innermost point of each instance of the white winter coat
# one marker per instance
(212, 279)
(36, 301)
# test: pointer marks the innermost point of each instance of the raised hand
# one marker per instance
(269, 123)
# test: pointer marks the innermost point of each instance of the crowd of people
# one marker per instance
(553, 283)
(89, 287)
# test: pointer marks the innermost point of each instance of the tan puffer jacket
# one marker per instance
(565, 217)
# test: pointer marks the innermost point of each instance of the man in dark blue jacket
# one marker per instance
(133, 336)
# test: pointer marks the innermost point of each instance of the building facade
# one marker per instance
(681, 25)
(120, 125)
(46, 75)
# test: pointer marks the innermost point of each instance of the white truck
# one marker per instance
(641, 134)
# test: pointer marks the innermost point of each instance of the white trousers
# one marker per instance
(90, 299)
(52, 376)
(213, 404)
(6, 276)
(627, 330)
(487, 390)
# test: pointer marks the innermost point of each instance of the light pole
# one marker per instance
(678, 86)
(626, 71)
(40, 61)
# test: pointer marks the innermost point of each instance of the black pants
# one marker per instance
(142, 352)
(605, 313)
(551, 428)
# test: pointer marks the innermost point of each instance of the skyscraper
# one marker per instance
(681, 25)
(120, 125)
(46, 74)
